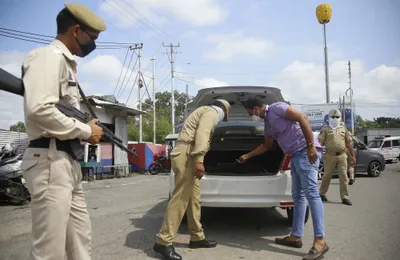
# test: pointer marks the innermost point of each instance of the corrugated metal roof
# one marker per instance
(93, 100)
(15, 139)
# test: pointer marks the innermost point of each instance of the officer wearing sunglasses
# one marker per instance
(336, 140)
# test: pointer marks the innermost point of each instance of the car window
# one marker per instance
(395, 143)
(375, 144)
(386, 144)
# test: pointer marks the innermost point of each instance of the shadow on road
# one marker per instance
(238, 228)
(5, 202)
(148, 225)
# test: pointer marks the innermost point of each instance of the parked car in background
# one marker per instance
(263, 181)
(369, 161)
(388, 146)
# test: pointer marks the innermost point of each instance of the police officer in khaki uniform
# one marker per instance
(187, 163)
(350, 163)
(336, 139)
(60, 221)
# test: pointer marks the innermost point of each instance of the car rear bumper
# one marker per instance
(246, 192)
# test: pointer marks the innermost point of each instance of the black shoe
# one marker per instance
(351, 182)
(323, 197)
(202, 244)
(168, 252)
(347, 202)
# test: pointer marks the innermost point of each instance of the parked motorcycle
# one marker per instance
(161, 164)
(12, 183)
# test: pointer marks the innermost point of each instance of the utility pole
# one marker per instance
(172, 82)
(351, 100)
(186, 99)
(344, 109)
(140, 85)
(154, 99)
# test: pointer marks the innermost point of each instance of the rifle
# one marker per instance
(12, 84)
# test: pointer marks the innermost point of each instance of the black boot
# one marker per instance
(202, 244)
(351, 182)
(168, 252)
(346, 202)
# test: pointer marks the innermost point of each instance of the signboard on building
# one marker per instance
(318, 115)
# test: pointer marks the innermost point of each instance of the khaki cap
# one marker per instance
(335, 112)
(227, 107)
(85, 16)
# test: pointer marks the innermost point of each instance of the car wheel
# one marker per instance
(374, 169)
(290, 215)
(320, 171)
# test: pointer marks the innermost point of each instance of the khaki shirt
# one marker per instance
(198, 129)
(49, 73)
(335, 140)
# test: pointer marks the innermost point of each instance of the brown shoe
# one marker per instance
(287, 242)
(313, 254)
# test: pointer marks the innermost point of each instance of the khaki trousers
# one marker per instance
(331, 161)
(350, 166)
(185, 198)
(60, 221)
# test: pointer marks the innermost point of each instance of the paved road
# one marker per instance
(127, 213)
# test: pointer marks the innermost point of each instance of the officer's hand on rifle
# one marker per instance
(97, 132)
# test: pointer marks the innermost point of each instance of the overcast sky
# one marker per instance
(266, 42)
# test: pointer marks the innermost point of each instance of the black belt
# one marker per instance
(68, 146)
(339, 153)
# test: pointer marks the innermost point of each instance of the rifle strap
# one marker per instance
(86, 102)
(85, 99)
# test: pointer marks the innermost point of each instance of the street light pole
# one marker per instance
(326, 68)
(324, 13)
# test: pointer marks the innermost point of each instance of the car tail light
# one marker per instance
(286, 204)
(286, 163)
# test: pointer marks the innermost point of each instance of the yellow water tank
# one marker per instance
(324, 13)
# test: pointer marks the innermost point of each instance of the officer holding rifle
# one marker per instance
(60, 221)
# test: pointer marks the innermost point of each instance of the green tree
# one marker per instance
(18, 127)
(163, 105)
(133, 129)
(163, 117)
(387, 122)
(380, 122)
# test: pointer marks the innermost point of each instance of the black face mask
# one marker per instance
(86, 48)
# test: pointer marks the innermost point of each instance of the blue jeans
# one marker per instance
(305, 185)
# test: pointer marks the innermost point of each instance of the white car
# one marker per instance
(388, 146)
(263, 181)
